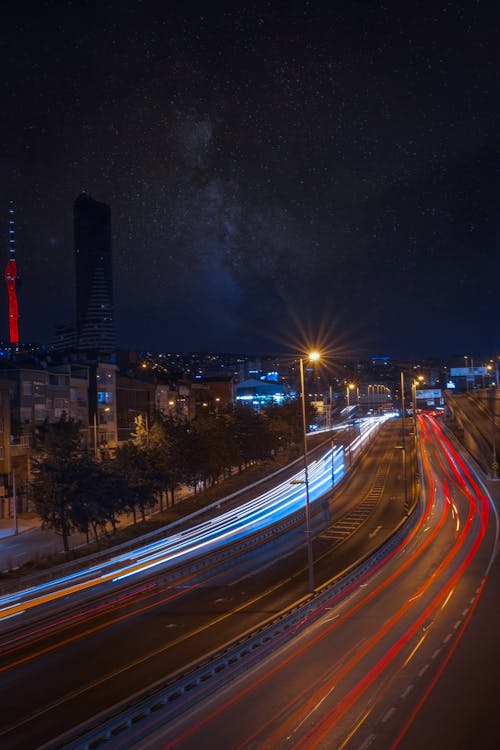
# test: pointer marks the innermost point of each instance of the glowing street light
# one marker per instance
(350, 387)
(312, 357)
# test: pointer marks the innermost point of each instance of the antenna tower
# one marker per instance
(10, 279)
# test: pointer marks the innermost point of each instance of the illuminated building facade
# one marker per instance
(259, 393)
(94, 282)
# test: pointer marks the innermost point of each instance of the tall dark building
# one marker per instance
(94, 279)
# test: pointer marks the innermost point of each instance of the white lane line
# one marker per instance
(367, 742)
(388, 715)
(423, 670)
(436, 653)
(407, 691)
(457, 624)
(465, 611)
(450, 635)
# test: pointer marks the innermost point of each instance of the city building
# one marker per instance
(37, 394)
(103, 406)
(134, 398)
(94, 280)
(220, 390)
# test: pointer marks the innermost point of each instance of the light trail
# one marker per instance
(391, 647)
(253, 516)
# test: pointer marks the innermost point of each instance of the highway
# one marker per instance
(73, 653)
(359, 676)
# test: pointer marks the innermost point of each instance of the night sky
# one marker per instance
(273, 170)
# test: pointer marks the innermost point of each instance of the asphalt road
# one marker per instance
(365, 675)
(74, 662)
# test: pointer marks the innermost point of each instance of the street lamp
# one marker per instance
(416, 381)
(312, 357)
(350, 387)
(403, 439)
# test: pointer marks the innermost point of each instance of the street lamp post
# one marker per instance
(333, 464)
(494, 462)
(403, 439)
(350, 387)
(330, 408)
(310, 562)
(14, 501)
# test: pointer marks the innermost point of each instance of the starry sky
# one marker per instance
(276, 171)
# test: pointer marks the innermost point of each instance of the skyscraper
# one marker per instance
(94, 280)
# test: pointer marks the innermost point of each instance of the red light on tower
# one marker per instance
(10, 280)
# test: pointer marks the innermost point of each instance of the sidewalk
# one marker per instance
(25, 522)
(31, 542)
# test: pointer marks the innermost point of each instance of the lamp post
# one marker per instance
(95, 434)
(403, 439)
(494, 462)
(14, 501)
(313, 356)
(350, 387)
(330, 408)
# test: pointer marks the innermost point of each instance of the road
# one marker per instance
(73, 660)
(361, 675)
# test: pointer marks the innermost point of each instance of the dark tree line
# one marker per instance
(75, 492)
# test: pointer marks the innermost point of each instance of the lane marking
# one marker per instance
(367, 742)
(388, 715)
(407, 691)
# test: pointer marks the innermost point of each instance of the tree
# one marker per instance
(251, 435)
(165, 451)
(88, 511)
(285, 424)
(55, 484)
(137, 487)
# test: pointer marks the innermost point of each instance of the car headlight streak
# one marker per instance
(266, 509)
